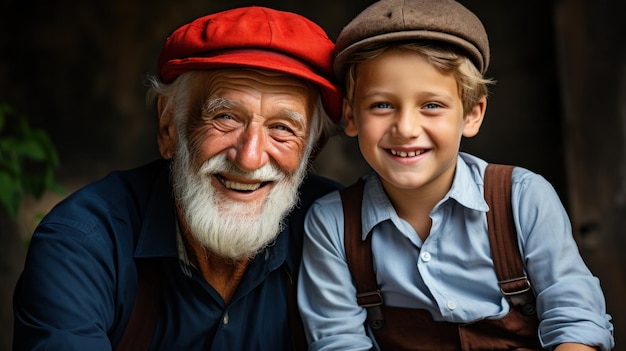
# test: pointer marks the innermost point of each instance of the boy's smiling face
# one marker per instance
(409, 119)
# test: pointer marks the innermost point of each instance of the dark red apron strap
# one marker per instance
(359, 255)
(142, 322)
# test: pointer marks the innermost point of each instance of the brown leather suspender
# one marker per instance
(140, 328)
(143, 319)
(507, 259)
(514, 284)
(298, 340)
(359, 255)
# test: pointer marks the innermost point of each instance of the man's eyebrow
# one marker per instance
(295, 116)
(216, 104)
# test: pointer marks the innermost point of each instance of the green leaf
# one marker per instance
(28, 160)
(47, 146)
(30, 149)
(10, 193)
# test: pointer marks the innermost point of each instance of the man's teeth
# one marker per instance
(240, 186)
(406, 154)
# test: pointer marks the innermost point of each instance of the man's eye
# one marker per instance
(282, 127)
(223, 116)
(216, 117)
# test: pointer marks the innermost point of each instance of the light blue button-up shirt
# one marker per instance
(451, 273)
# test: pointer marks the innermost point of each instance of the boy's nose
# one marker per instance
(408, 124)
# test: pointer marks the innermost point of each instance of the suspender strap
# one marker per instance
(298, 339)
(514, 283)
(359, 255)
(143, 318)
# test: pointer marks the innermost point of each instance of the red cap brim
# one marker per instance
(259, 59)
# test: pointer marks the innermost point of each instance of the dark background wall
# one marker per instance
(77, 69)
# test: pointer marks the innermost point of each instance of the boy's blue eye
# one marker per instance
(432, 105)
(382, 105)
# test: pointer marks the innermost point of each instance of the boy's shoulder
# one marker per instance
(477, 166)
(527, 185)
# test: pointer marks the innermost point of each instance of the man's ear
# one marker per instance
(474, 119)
(166, 137)
(350, 127)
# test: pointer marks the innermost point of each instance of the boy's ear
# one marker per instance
(348, 116)
(166, 137)
(474, 119)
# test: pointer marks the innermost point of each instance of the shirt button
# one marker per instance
(225, 319)
(451, 305)
(425, 256)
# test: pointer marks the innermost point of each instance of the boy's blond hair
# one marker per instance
(470, 82)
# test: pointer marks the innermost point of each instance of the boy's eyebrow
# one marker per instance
(383, 92)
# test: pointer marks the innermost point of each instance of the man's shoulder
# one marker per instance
(115, 192)
(141, 176)
(312, 188)
(134, 182)
(315, 186)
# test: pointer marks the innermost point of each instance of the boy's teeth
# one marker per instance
(405, 154)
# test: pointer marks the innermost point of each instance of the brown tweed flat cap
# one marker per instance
(430, 20)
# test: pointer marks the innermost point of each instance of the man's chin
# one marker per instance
(229, 234)
(234, 250)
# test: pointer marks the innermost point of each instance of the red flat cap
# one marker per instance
(255, 37)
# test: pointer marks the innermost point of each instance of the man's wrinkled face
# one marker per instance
(240, 159)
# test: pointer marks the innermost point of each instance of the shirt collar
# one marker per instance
(466, 190)
(376, 207)
(467, 186)
(157, 235)
(270, 257)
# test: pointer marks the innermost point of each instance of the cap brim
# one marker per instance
(409, 35)
(259, 59)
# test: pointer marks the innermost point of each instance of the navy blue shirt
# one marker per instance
(80, 277)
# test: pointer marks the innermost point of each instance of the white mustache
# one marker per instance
(219, 164)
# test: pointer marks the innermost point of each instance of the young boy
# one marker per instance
(413, 73)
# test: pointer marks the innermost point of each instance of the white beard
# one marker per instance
(225, 227)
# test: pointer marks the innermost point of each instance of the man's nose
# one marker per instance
(251, 149)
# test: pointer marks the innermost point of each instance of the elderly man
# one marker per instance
(198, 250)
